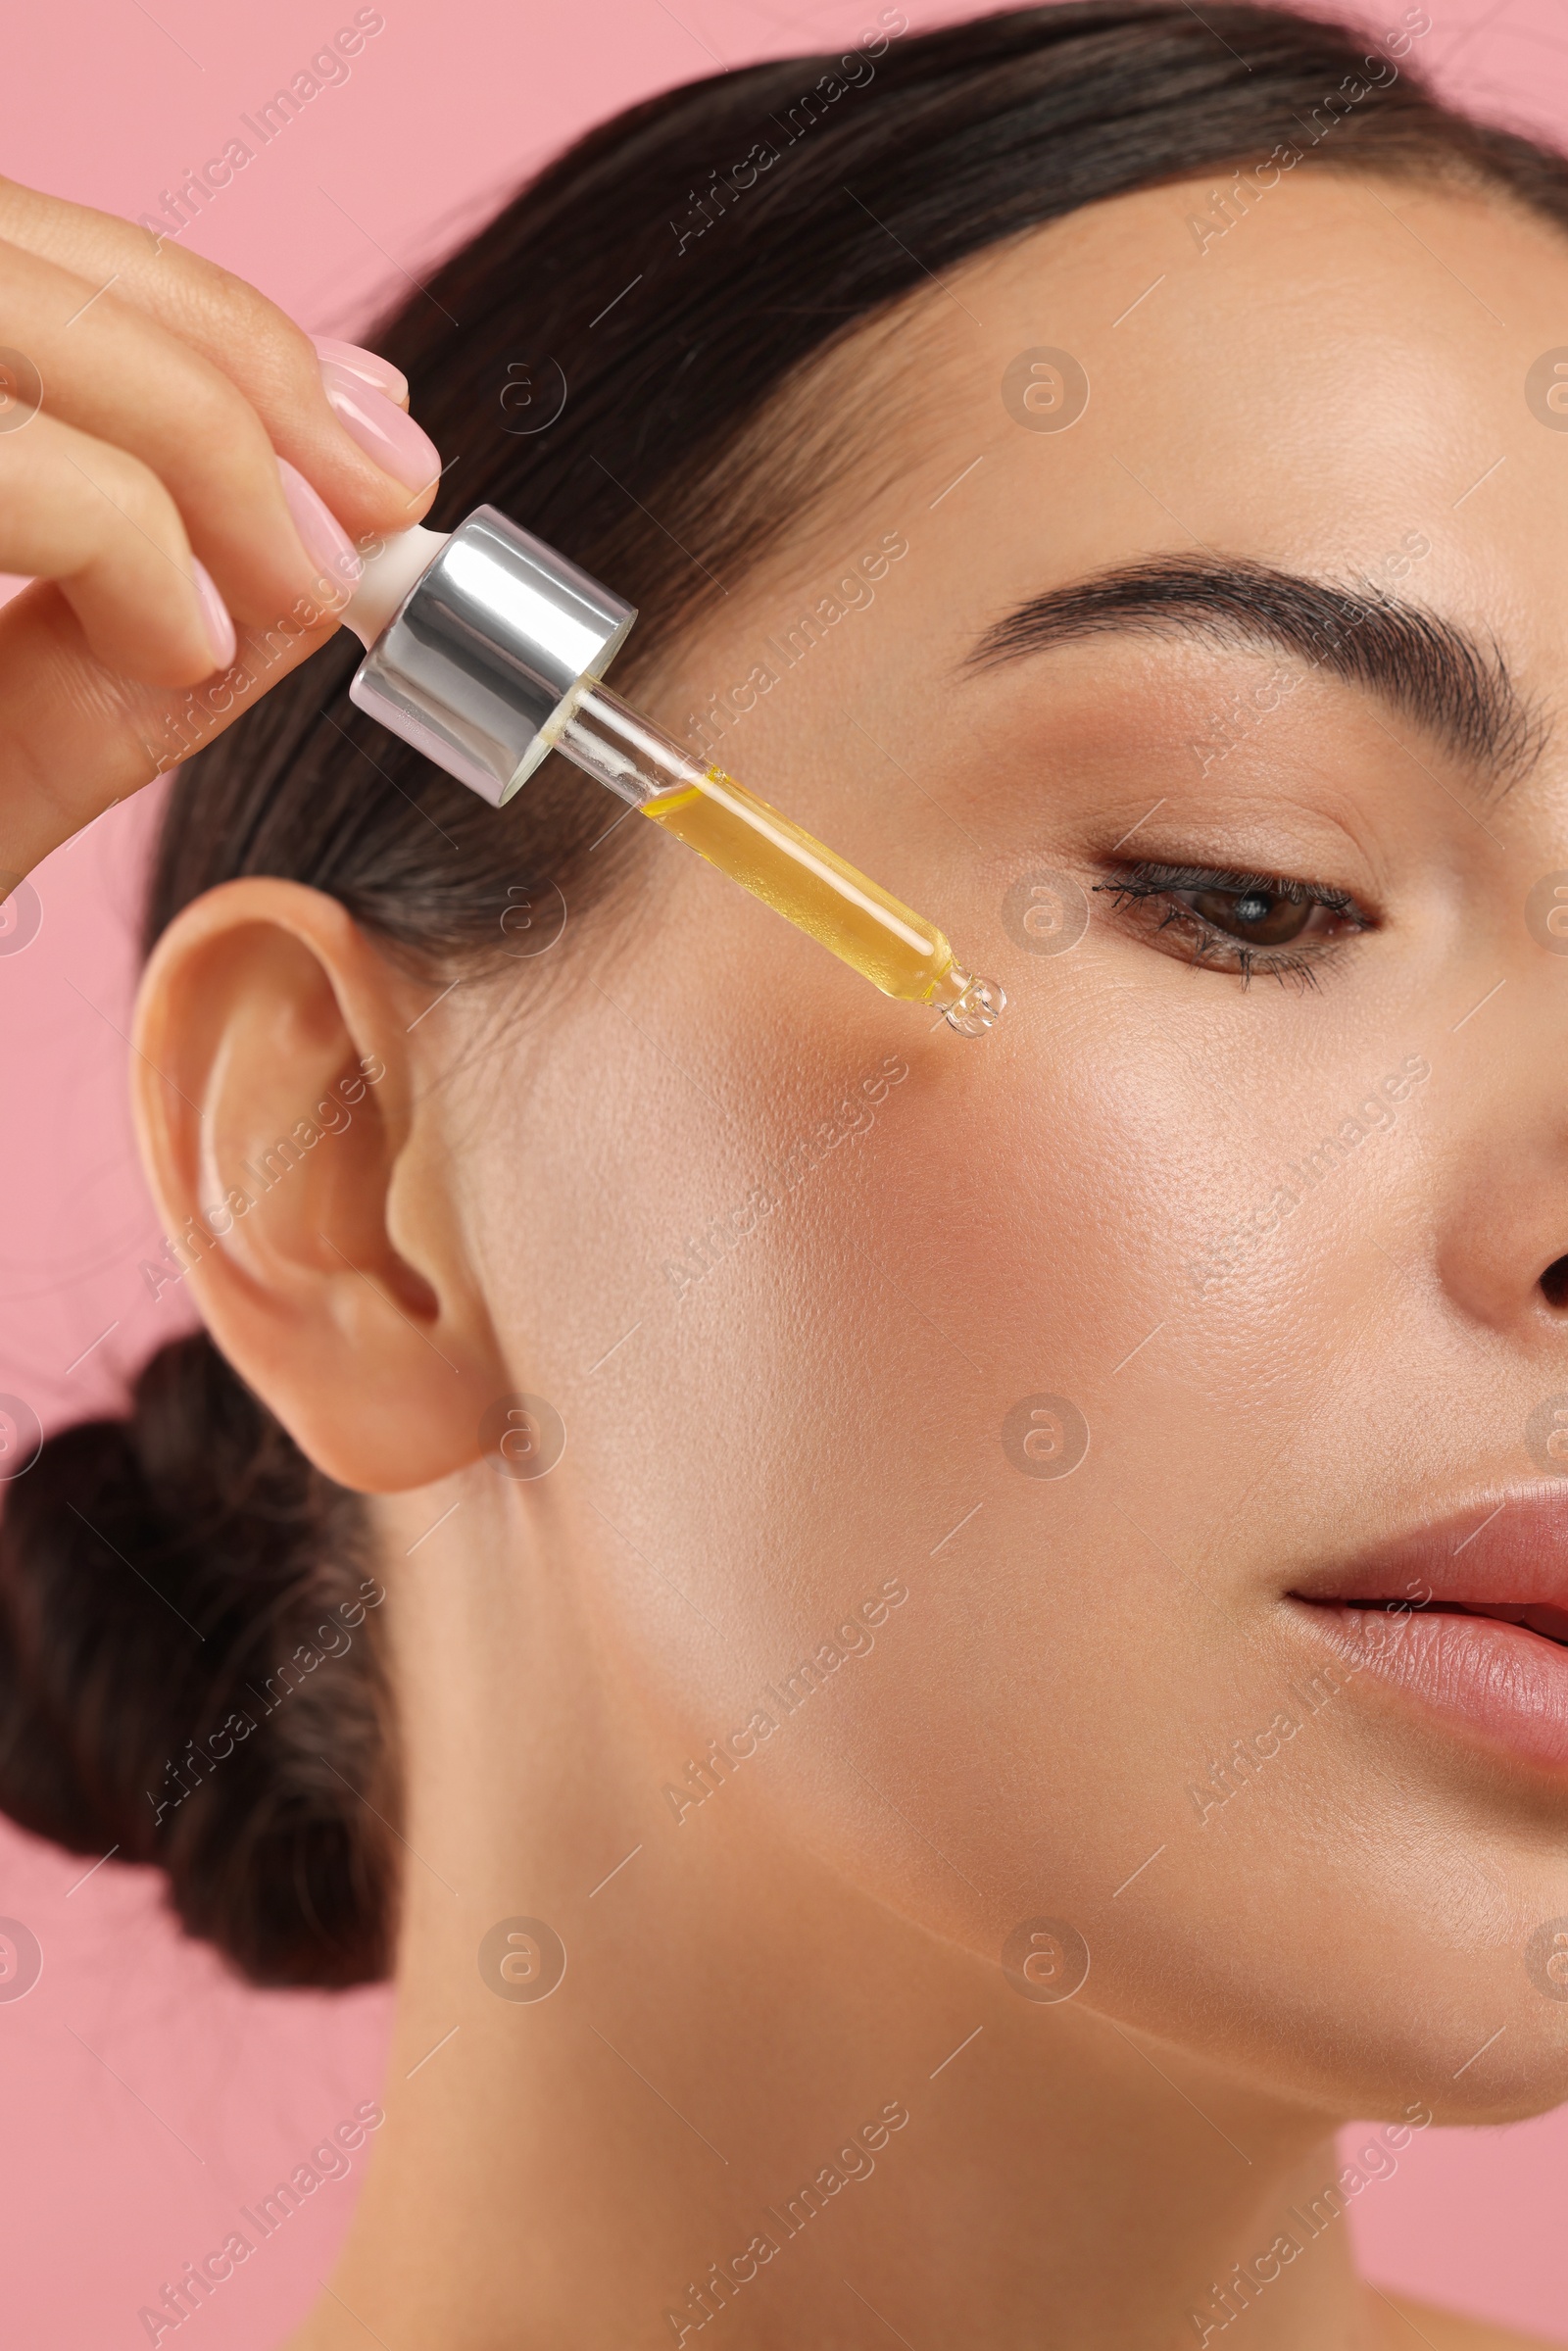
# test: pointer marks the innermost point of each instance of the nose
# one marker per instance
(1504, 1258)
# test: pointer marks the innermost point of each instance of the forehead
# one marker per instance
(1304, 375)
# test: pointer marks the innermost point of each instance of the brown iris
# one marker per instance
(1259, 917)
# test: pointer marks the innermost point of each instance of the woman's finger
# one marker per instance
(77, 736)
(107, 368)
(372, 490)
(98, 521)
(376, 371)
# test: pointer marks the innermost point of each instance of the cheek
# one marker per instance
(830, 1397)
(829, 1332)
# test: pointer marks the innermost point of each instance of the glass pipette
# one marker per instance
(484, 652)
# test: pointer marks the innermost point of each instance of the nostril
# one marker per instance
(1554, 1283)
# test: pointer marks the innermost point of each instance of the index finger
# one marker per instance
(239, 331)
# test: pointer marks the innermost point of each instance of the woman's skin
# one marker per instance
(753, 1454)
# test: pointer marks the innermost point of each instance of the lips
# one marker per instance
(1468, 1617)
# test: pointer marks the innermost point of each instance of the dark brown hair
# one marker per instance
(595, 361)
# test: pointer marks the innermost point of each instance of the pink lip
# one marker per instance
(1479, 1636)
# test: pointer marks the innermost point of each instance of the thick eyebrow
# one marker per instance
(1432, 671)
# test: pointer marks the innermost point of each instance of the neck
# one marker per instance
(760, 2107)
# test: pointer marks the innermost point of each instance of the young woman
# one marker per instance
(930, 1658)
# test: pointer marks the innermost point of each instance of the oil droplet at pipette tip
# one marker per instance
(977, 1006)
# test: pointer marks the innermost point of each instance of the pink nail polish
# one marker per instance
(367, 366)
(381, 429)
(326, 542)
(215, 611)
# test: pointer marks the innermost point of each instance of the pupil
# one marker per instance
(1259, 916)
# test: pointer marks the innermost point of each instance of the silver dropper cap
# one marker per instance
(479, 664)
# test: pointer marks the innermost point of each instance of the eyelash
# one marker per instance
(1147, 885)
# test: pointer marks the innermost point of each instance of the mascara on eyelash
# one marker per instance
(1146, 878)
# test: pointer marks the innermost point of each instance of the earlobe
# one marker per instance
(277, 1106)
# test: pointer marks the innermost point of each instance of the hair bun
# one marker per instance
(189, 1676)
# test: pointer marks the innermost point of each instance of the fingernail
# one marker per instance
(326, 542)
(381, 429)
(215, 611)
(367, 366)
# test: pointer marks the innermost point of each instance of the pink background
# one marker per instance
(146, 2096)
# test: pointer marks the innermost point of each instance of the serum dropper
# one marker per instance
(487, 651)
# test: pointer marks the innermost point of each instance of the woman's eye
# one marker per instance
(1261, 918)
(1245, 923)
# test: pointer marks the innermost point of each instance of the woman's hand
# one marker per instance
(173, 452)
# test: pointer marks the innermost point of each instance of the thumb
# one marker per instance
(76, 737)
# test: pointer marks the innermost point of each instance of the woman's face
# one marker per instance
(828, 1296)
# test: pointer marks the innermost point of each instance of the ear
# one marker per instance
(288, 1146)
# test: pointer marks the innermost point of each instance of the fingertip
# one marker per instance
(387, 433)
(369, 365)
